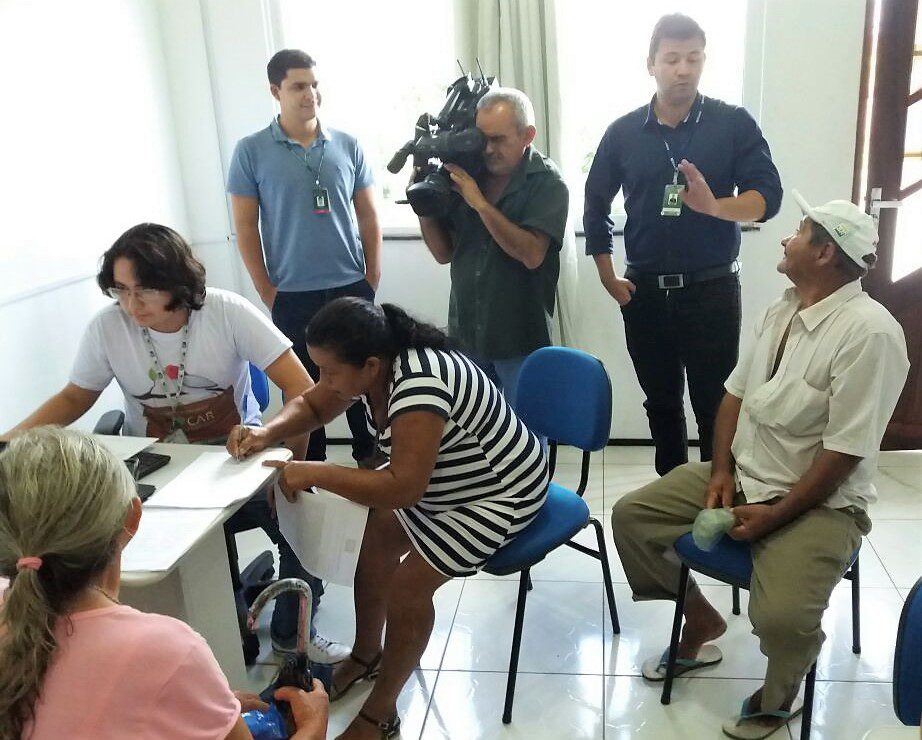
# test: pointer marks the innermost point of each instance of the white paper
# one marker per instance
(325, 531)
(215, 480)
(165, 535)
(124, 447)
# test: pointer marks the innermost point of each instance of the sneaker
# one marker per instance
(322, 650)
(319, 649)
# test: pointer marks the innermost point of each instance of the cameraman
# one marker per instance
(503, 239)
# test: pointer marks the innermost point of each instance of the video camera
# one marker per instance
(451, 137)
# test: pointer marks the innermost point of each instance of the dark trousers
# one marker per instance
(292, 312)
(694, 332)
(254, 514)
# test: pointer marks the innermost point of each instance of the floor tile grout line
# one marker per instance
(435, 684)
(881, 561)
(451, 627)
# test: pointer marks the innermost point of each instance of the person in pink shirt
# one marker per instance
(76, 663)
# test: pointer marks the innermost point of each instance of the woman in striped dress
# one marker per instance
(465, 476)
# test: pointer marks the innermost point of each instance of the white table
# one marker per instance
(900, 732)
(195, 587)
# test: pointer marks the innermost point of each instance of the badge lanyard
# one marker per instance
(672, 195)
(320, 196)
(176, 434)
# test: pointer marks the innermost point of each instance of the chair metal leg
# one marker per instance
(856, 608)
(606, 575)
(736, 600)
(676, 631)
(806, 717)
(531, 585)
(516, 644)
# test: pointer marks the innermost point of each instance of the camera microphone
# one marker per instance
(400, 158)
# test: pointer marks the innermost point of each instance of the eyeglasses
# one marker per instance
(145, 295)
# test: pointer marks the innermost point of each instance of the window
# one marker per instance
(380, 66)
(603, 70)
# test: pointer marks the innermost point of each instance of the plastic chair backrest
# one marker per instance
(260, 384)
(564, 394)
(907, 668)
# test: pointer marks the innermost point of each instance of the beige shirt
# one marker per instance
(838, 381)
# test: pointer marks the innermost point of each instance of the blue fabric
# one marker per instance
(304, 250)
(565, 395)
(562, 516)
(725, 144)
(730, 561)
(259, 384)
(907, 660)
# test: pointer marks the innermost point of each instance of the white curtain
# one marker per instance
(516, 41)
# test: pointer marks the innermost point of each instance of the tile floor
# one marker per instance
(578, 680)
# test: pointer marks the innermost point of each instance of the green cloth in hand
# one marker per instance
(710, 525)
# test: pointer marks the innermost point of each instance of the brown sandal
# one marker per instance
(389, 729)
(369, 674)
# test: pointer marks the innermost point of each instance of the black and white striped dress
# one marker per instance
(491, 475)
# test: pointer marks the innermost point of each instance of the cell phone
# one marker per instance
(143, 464)
(144, 490)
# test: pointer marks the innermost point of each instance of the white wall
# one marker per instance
(802, 88)
(86, 100)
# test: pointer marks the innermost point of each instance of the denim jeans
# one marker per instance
(291, 313)
(504, 374)
(676, 333)
(255, 514)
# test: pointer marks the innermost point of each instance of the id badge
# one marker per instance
(321, 200)
(177, 436)
(672, 200)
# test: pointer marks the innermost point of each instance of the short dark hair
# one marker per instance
(355, 329)
(284, 60)
(163, 260)
(674, 26)
(819, 235)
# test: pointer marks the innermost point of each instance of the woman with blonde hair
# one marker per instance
(75, 662)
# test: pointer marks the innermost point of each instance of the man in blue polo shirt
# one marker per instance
(310, 190)
(692, 168)
(308, 232)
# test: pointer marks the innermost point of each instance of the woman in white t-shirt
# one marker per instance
(181, 354)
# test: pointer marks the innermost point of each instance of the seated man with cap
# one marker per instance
(795, 454)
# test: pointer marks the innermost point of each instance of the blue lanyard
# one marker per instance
(306, 161)
(672, 158)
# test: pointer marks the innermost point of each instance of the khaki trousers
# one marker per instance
(794, 569)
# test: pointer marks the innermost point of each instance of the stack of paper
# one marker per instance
(325, 531)
(165, 535)
(215, 480)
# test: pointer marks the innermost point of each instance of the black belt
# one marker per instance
(673, 280)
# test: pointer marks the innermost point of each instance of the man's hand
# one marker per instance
(309, 709)
(467, 186)
(753, 521)
(250, 701)
(295, 476)
(721, 491)
(245, 441)
(697, 195)
(373, 276)
(267, 293)
(621, 289)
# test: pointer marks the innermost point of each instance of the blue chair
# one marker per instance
(907, 671)
(731, 562)
(259, 382)
(565, 395)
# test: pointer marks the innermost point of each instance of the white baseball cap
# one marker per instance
(850, 227)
